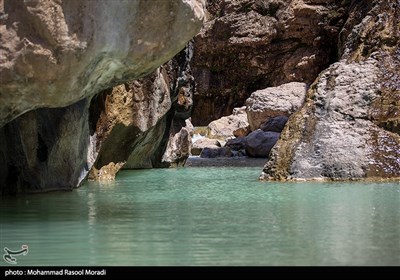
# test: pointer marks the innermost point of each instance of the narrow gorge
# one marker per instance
(82, 96)
(199, 133)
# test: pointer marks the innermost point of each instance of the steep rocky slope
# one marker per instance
(349, 126)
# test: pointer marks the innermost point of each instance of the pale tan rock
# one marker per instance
(224, 127)
(200, 144)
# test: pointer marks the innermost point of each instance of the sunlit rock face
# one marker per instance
(142, 123)
(55, 53)
(349, 126)
(54, 57)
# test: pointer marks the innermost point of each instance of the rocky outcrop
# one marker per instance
(55, 53)
(348, 128)
(179, 145)
(225, 127)
(251, 44)
(141, 124)
(267, 103)
(268, 109)
(62, 53)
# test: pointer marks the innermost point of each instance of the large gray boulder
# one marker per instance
(283, 100)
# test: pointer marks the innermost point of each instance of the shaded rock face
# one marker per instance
(216, 152)
(141, 124)
(276, 124)
(260, 143)
(267, 103)
(91, 45)
(56, 53)
(253, 44)
(348, 128)
(46, 149)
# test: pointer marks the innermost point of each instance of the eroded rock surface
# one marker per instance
(141, 124)
(56, 55)
(249, 45)
(348, 128)
(225, 127)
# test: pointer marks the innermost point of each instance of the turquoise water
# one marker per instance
(206, 216)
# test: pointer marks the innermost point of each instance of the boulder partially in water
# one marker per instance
(216, 152)
(348, 127)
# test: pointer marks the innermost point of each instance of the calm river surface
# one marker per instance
(206, 216)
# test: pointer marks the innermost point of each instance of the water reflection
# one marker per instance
(218, 217)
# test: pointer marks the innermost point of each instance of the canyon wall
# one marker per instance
(349, 126)
(249, 45)
(55, 56)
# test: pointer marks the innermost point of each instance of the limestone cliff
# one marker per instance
(137, 124)
(55, 53)
(349, 126)
(249, 45)
(55, 56)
